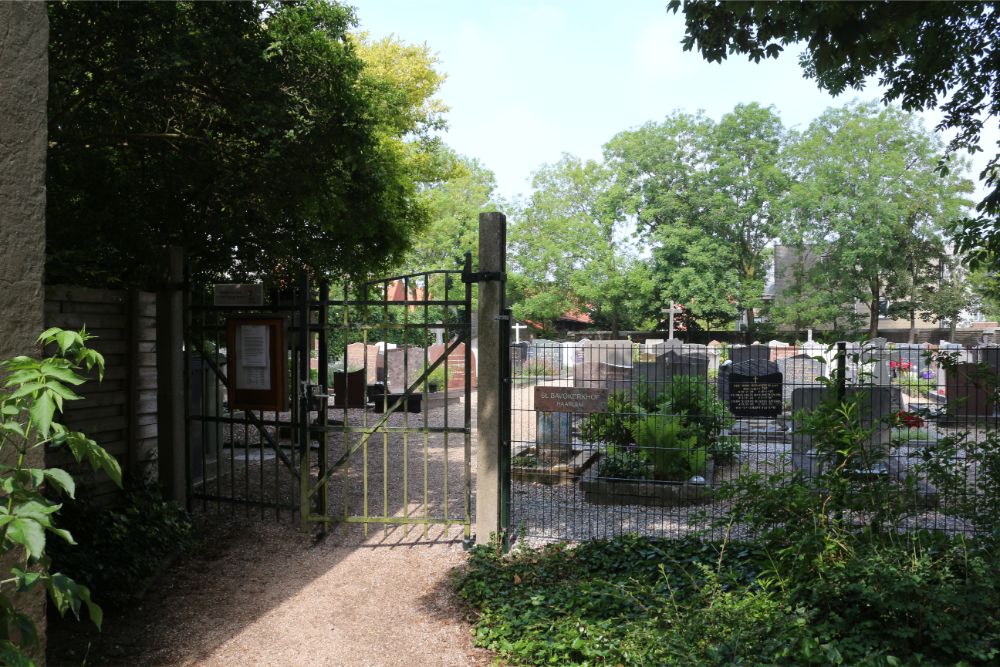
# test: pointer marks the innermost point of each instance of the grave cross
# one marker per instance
(671, 311)
(517, 331)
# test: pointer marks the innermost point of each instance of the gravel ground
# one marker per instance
(266, 594)
(260, 592)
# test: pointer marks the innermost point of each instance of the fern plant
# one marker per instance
(670, 446)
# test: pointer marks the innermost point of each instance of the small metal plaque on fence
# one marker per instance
(755, 396)
(237, 294)
(570, 399)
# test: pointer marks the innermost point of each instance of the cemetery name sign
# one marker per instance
(238, 294)
(256, 363)
(570, 399)
(755, 395)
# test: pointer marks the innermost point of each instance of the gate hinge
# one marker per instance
(484, 277)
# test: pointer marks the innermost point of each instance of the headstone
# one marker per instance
(614, 352)
(403, 366)
(369, 357)
(714, 355)
(799, 371)
(875, 405)
(652, 377)
(349, 389)
(875, 363)
(969, 391)
(755, 352)
(456, 364)
(671, 345)
(578, 354)
(547, 352)
(519, 354)
(568, 359)
(755, 389)
(553, 436)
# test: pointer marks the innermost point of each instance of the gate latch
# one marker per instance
(484, 277)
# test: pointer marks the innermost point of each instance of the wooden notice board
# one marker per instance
(256, 363)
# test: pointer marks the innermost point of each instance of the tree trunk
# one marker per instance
(952, 327)
(912, 337)
(750, 328)
(873, 315)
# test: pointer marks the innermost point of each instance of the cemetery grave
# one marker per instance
(646, 461)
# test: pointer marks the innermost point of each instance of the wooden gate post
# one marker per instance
(171, 436)
(492, 265)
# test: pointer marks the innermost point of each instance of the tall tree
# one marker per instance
(867, 196)
(570, 251)
(706, 194)
(453, 207)
(248, 133)
(926, 54)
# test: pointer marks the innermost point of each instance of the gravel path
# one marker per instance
(260, 592)
(265, 594)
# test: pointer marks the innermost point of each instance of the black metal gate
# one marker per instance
(378, 423)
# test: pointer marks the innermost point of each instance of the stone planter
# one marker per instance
(560, 473)
(648, 492)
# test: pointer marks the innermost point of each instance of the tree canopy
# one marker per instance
(866, 197)
(252, 134)
(926, 55)
(706, 195)
(570, 251)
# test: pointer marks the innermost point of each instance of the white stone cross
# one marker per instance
(517, 331)
(671, 311)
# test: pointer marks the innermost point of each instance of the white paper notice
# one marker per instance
(253, 345)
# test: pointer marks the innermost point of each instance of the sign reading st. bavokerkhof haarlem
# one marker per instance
(570, 399)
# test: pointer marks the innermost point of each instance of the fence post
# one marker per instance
(170, 379)
(492, 265)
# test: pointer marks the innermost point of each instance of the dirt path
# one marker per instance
(262, 594)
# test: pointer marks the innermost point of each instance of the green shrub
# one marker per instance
(123, 545)
(613, 427)
(669, 445)
(626, 462)
(702, 412)
(32, 395)
(438, 377)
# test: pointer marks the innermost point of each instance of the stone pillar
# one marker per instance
(24, 93)
(492, 259)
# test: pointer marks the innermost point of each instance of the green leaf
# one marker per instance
(48, 334)
(67, 339)
(60, 370)
(25, 580)
(63, 593)
(13, 427)
(96, 614)
(41, 412)
(12, 656)
(63, 391)
(26, 389)
(29, 533)
(62, 479)
(63, 533)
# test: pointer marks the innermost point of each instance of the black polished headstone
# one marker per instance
(755, 389)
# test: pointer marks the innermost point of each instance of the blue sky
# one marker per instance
(528, 81)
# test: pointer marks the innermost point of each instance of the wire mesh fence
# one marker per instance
(612, 437)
